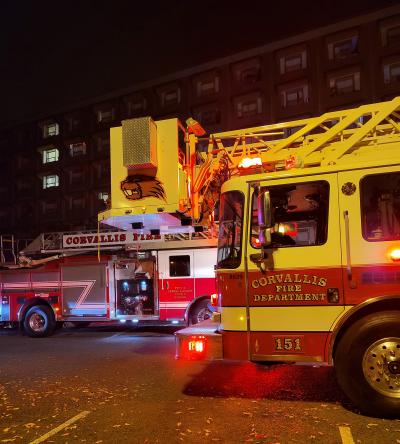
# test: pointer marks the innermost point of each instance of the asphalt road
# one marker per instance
(102, 385)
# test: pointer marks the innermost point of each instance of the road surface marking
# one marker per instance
(60, 427)
(345, 434)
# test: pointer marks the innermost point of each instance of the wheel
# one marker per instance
(200, 312)
(77, 324)
(39, 321)
(367, 364)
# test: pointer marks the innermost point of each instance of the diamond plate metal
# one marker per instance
(139, 143)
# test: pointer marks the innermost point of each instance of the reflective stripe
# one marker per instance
(233, 318)
(307, 318)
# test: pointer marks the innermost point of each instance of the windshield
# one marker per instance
(230, 230)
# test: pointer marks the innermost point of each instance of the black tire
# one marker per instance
(39, 321)
(367, 364)
(200, 312)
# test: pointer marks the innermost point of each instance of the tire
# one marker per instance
(200, 312)
(39, 321)
(367, 364)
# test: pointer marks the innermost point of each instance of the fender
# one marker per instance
(194, 302)
(30, 303)
(373, 305)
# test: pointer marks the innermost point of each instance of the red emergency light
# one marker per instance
(196, 347)
(214, 300)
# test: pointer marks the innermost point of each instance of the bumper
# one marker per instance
(205, 335)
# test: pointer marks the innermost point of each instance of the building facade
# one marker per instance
(55, 172)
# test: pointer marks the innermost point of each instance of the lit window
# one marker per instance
(50, 181)
(170, 97)
(206, 87)
(248, 106)
(342, 49)
(179, 266)
(50, 155)
(391, 72)
(247, 72)
(104, 196)
(77, 149)
(105, 116)
(344, 84)
(50, 130)
(293, 62)
(294, 96)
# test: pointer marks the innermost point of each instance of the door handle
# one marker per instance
(167, 285)
(352, 283)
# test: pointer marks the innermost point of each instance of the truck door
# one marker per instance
(294, 303)
(370, 209)
(176, 282)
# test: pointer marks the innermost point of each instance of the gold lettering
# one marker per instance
(262, 281)
(271, 280)
(297, 288)
(307, 297)
(297, 278)
(256, 298)
(306, 279)
(298, 297)
(288, 278)
(322, 282)
(255, 284)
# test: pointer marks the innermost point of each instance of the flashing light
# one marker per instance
(125, 285)
(394, 254)
(135, 321)
(174, 322)
(196, 346)
(293, 162)
(214, 300)
(122, 321)
(248, 162)
(194, 127)
(143, 285)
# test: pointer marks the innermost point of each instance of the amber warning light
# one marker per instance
(395, 254)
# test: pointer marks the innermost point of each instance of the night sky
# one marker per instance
(57, 53)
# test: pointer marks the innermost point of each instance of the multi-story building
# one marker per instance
(55, 174)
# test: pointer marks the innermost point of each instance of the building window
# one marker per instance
(169, 95)
(344, 84)
(74, 123)
(76, 177)
(105, 115)
(344, 48)
(50, 155)
(135, 105)
(294, 61)
(103, 196)
(295, 95)
(23, 161)
(77, 149)
(103, 144)
(247, 72)
(50, 181)
(208, 115)
(206, 85)
(390, 32)
(249, 105)
(51, 129)
(76, 203)
(49, 207)
(391, 72)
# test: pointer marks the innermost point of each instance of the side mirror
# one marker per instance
(265, 222)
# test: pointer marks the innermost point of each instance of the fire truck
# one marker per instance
(152, 264)
(308, 266)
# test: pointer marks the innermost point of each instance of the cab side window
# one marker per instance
(300, 214)
(380, 207)
(179, 266)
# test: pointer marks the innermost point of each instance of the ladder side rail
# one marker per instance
(360, 133)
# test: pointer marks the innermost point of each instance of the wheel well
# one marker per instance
(193, 304)
(383, 304)
(30, 303)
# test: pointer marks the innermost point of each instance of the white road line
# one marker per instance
(60, 427)
(345, 434)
